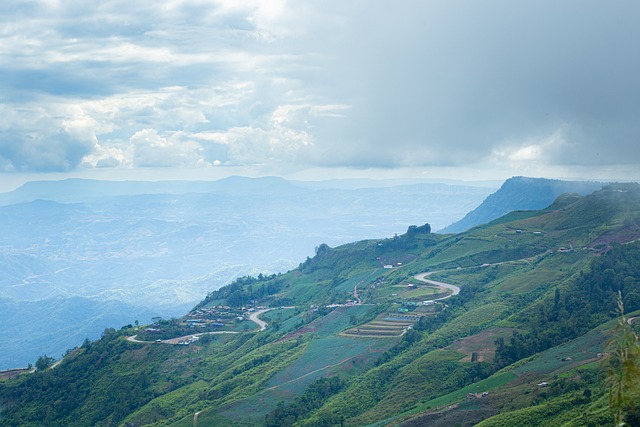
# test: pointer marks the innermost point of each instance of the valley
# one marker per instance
(96, 254)
(511, 320)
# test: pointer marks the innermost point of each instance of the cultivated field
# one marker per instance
(386, 325)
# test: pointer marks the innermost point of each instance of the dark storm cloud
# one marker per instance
(449, 83)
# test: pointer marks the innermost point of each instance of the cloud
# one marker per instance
(44, 139)
(536, 150)
(57, 151)
(152, 150)
(193, 83)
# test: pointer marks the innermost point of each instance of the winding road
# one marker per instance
(422, 277)
(262, 325)
(176, 340)
(456, 290)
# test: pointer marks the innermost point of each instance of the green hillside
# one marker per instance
(354, 338)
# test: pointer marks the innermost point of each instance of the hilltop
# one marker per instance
(357, 335)
(520, 193)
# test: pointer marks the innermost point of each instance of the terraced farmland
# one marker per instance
(386, 325)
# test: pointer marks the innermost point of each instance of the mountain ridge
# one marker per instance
(520, 193)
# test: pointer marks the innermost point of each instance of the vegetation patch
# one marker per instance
(584, 349)
(322, 358)
(481, 347)
(479, 387)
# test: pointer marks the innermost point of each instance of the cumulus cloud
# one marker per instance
(152, 150)
(42, 139)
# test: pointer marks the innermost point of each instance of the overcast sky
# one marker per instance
(313, 89)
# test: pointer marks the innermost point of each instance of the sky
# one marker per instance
(420, 89)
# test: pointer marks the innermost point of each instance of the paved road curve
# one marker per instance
(423, 278)
(262, 325)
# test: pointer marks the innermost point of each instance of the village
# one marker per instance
(216, 319)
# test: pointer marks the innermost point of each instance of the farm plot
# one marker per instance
(360, 280)
(420, 293)
(384, 326)
(561, 358)
(482, 344)
(409, 293)
(323, 357)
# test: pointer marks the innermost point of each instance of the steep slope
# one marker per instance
(523, 336)
(520, 193)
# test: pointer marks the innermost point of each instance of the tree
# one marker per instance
(623, 371)
(44, 362)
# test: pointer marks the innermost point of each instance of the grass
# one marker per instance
(286, 320)
(419, 292)
(473, 320)
(569, 410)
(482, 343)
(205, 418)
(325, 355)
(322, 358)
(168, 401)
(481, 386)
(494, 381)
(339, 319)
(325, 352)
(580, 350)
(362, 280)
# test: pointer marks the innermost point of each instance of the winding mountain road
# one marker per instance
(262, 325)
(422, 277)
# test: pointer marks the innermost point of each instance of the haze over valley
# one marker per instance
(78, 256)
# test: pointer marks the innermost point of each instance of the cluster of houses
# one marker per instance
(396, 265)
(217, 316)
